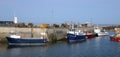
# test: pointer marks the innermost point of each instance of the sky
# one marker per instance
(60, 11)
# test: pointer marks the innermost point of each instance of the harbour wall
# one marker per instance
(33, 32)
(36, 32)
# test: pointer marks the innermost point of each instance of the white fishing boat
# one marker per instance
(100, 31)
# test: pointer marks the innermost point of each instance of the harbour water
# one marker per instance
(95, 47)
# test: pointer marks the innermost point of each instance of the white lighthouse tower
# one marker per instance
(15, 20)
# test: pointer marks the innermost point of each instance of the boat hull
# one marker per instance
(115, 38)
(91, 36)
(25, 41)
(102, 34)
(72, 37)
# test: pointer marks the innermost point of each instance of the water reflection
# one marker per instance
(94, 47)
(19, 49)
(24, 46)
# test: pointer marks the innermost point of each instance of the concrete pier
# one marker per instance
(36, 32)
(26, 32)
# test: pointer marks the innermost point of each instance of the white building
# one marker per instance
(15, 20)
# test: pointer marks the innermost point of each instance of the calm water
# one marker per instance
(95, 47)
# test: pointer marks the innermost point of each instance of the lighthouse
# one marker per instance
(15, 20)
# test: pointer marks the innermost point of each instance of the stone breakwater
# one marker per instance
(57, 33)
(35, 32)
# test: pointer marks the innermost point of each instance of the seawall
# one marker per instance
(35, 32)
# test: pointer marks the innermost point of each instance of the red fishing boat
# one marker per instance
(113, 38)
(116, 36)
(90, 35)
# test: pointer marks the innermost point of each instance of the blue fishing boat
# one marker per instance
(75, 35)
(15, 39)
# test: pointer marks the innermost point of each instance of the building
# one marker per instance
(6, 23)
